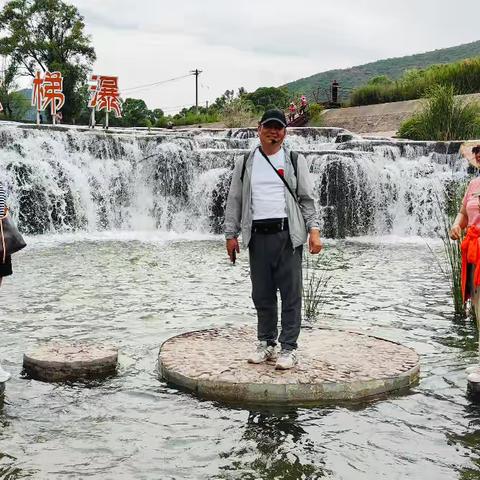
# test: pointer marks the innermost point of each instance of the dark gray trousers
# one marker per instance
(275, 265)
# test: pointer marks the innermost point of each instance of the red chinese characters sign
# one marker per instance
(105, 94)
(48, 91)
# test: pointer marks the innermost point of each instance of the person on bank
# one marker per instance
(271, 203)
(5, 263)
(292, 111)
(469, 218)
(303, 104)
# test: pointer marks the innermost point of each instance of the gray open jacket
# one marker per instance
(301, 216)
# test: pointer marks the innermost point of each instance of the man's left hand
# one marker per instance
(314, 242)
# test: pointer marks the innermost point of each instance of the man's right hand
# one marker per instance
(455, 232)
(232, 247)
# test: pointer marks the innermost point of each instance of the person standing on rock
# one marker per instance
(469, 218)
(5, 266)
(271, 203)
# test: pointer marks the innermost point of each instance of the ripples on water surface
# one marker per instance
(136, 294)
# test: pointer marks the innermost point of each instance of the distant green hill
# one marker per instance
(350, 78)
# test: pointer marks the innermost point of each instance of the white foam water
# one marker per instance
(71, 180)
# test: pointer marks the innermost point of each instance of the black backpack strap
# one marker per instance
(294, 159)
(245, 158)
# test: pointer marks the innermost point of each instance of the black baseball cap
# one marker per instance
(274, 115)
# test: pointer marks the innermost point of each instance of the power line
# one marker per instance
(166, 109)
(148, 85)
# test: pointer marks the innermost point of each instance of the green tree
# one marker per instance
(135, 113)
(155, 115)
(238, 112)
(263, 97)
(49, 35)
(15, 104)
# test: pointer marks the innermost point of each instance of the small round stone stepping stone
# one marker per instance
(333, 365)
(56, 362)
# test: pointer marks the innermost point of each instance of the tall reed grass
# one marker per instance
(316, 276)
(444, 117)
(464, 76)
(451, 263)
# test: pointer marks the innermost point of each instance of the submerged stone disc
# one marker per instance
(333, 365)
(55, 362)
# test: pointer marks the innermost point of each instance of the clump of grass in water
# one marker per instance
(316, 277)
(452, 264)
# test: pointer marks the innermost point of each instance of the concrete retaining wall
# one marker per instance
(384, 117)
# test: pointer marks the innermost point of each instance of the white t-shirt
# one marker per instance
(268, 190)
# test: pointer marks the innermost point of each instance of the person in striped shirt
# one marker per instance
(5, 268)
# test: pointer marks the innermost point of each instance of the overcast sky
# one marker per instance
(259, 43)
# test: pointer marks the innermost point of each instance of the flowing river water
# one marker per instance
(135, 288)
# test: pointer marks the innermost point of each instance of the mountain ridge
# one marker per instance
(394, 67)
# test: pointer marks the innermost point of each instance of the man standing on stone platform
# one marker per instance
(271, 203)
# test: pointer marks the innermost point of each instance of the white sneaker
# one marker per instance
(263, 353)
(4, 376)
(286, 360)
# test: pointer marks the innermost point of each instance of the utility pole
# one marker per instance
(196, 72)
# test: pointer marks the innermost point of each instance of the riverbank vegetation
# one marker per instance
(315, 115)
(463, 76)
(444, 117)
(452, 264)
(316, 277)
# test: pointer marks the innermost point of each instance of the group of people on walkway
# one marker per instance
(293, 110)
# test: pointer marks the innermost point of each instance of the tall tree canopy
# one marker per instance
(49, 35)
(268, 97)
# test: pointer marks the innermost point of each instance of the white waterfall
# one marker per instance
(69, 179)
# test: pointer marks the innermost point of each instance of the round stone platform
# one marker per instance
(56, 362)
(333, 365)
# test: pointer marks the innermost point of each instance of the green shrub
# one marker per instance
(315, 117)
(239, 112)
(443, 118)
(190, 118)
